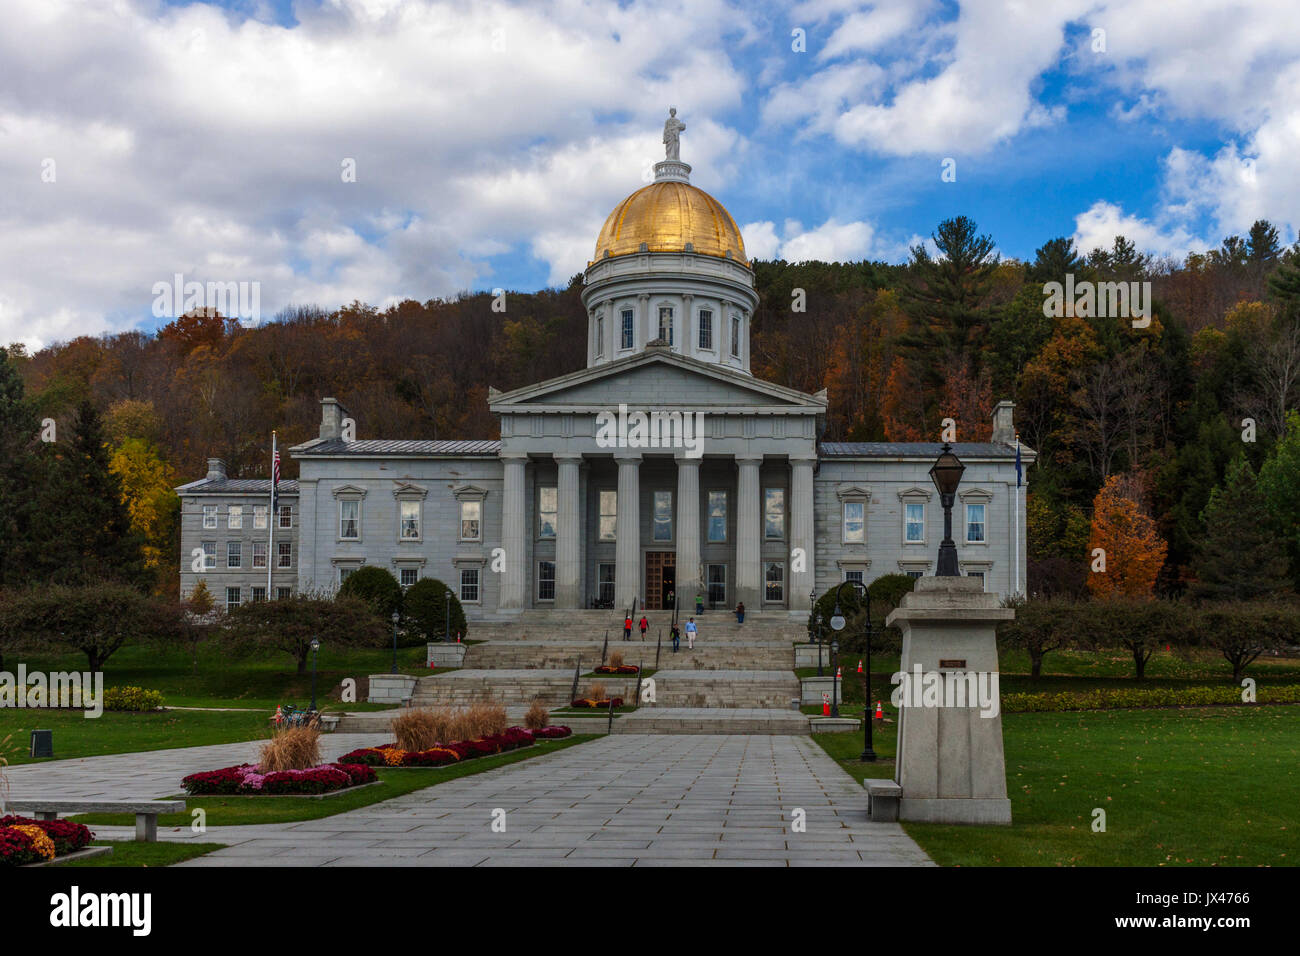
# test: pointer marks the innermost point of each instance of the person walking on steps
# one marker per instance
(627, 628)
(699, 603)
(676, 634)
(644, 625)
(740, 613)
(691, 631)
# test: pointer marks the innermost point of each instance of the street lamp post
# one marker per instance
(446, 627)
(946, 474)
(396, 617)
(838, 622)
(315, 650)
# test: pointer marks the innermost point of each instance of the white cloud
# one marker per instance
(1097, 227)
(832, 241)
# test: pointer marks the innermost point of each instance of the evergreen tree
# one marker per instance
(1279, 477)
(1055, 259)
(1242, 556)
(19, 464)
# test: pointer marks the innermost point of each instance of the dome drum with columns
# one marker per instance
(552, 516)
(670, 265)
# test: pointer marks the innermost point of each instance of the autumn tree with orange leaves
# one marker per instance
(1134, 550)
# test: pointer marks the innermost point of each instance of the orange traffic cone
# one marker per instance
(839, 673)
(826, 705)
(879, 711)
(279, 714)
(859, 665)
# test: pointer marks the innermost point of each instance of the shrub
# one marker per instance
(550, 733)
(1144, 697)
(537, 717)
(615, 659)
(291, 748)
(132, 698)
(597, 691)
(425, 608)
(481, 720)
(377, 587)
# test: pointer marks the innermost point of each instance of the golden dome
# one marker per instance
(666, 215)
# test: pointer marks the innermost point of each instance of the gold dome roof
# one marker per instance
(666, 215)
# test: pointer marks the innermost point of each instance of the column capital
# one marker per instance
(748, 459)
(628, 458)
(567, 457)
(520, 457)
(682, 458)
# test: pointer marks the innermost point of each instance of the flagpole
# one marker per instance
(270, 524)
(1016, 509)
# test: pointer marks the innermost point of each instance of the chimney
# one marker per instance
(1004, 426)
(216, 469)
(332, 414)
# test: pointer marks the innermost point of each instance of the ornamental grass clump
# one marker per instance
(291, 748)
(537, 717)
(481, 720)
(597, 691)
(615, 659)
(420, 729)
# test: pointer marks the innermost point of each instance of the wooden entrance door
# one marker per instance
(660, 573)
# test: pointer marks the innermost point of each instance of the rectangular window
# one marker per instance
(774, 513)
(666, 323)
(349, 520)
(600, 335)
(855, 522)
(735, 336)
(410, 520)
(284, 554)
(974, 524)
(605, 584)
(915, 575)
(546, 580)
(259, 517)
(283, 593)
(258, 596)
(976, 574)
(628, 330)
(774, 576)
(548, 511)
(408, 576)
(853, 576)
(259, 554)
(718, 585)
(209, 516)
(717, 532)
(235, 516)
(706, 330)
(232, 598)
(469, 585)
(345, 573)
(663, 516)
(210, 555)
(286, 516)
(608, 515)
(471, 514)
(234, 554)
(914, 518)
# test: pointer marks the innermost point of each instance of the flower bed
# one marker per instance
(389, 755)
(247, 779)
(602, 704)
(25, 841)
(620, 669)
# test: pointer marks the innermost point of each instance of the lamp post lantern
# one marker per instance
(315, 650)
(946, 474)
(396, 617)
(838, 622)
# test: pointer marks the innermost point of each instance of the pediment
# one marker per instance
(657, 380)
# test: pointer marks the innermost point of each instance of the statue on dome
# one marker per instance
(672, 129)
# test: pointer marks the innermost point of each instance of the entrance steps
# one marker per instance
(716, 626)
(558, 655)
(726, 689)
(717, 720)
(509, 687)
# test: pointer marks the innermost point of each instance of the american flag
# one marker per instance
(275, 480)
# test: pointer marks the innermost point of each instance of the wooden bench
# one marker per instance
(882, 800)
(146, 811)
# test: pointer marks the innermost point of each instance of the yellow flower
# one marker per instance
(393, 756)
(41, 842)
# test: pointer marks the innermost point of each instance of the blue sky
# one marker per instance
(142, 139)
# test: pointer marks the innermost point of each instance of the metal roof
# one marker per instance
(338, 448)
(918, 449)
(237, 486)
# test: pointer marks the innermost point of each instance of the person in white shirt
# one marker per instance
(690, 634)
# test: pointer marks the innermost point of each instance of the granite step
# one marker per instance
(559, 655)
(694, 720)
(513, 687)
(727, 689)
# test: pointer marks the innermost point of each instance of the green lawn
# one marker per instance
(116, 732)
(1201, 787)
(147, 854)
(232, 811)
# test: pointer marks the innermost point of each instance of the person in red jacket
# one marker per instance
(644, 625)
(627, 628)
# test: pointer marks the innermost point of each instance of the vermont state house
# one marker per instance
(579, 506)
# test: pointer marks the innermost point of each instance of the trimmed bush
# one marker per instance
(132, 698)
(425, 608)
(377, 587)
(1144, 697)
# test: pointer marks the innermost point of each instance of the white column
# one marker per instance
(568, 534)
(685, 338)
(627, 551)
(513, 525)
(690, 577)
(749, 518)
(647, 332)
(802, 536)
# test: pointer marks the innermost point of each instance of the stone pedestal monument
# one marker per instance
(950, 762)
